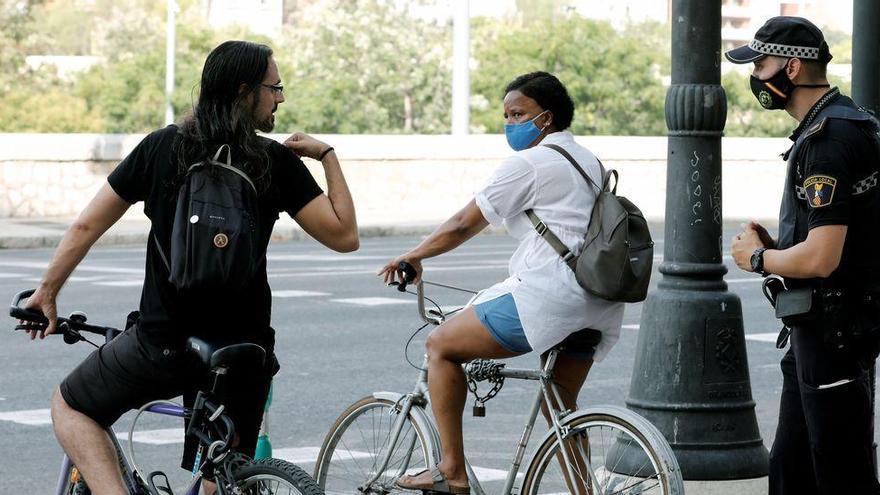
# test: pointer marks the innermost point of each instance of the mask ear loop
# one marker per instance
(548, 123)
(825, 85)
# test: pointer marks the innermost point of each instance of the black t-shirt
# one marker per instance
(834, 180)
(149, 174)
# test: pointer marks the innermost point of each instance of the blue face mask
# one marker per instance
(520, 136)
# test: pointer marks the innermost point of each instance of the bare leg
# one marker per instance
(569, 376)
(88, 446)
(459, 340)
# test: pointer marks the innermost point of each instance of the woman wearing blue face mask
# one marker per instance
(540, 304)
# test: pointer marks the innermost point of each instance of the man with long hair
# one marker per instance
(240, 91)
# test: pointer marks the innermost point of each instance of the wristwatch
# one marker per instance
(757, 261)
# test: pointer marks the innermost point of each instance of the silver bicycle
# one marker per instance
(600, 450)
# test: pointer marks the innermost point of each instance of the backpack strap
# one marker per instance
(161, 253)
(541, 228)
(567, 256)
(590, 181)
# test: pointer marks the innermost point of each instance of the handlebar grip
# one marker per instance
(409, 274)
(16, 311)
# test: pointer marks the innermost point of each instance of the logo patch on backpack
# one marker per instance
(820, 190)
(221, 240)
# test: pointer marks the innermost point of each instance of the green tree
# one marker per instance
(365, 66)
(614, 78)
(16, 35)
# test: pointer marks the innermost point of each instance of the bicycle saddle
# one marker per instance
(580, 341)
(219, 353)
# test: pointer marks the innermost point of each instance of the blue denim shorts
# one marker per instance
(501, 318)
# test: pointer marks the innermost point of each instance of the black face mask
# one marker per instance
(773, 93)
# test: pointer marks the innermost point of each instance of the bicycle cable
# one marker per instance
(411, 337)
(131, 457)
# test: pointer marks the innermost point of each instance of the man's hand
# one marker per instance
(744, 245)
(304, 145)
(765, 237)
(390, 272)
(43, 301)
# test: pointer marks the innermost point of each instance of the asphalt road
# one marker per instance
(341, 335)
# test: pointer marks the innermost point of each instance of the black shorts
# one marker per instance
(129, 371)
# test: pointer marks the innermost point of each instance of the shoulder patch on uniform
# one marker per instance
(815, 128)
(820, 190)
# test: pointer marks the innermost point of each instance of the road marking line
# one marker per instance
(309, 455)
(488, 474)
(298, 293)
(430, 270)
(154, 437)
(631, 327)
(11, 275)
(81, 268)
(372, 301)
(31, 417)
(122, 283)
(744, 280)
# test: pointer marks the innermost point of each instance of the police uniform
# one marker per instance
(825, 433)
(824, 438)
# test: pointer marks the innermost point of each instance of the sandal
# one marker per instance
(437, 486)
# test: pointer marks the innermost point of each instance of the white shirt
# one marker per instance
(550, 302)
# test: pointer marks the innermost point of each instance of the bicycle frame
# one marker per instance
(129, 475)
(547, 393)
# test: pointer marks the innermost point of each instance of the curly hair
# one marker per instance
(550, 94)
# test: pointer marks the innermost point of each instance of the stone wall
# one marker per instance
(395, 180)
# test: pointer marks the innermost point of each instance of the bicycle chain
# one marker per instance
(480, 370)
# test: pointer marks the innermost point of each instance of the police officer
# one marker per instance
(826, 254)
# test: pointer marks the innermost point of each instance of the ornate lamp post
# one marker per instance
(691, 375)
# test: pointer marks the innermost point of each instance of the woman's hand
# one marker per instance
(304, 145)
(43, 301)
(391, 273)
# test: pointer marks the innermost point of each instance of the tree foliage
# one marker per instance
(348, 66)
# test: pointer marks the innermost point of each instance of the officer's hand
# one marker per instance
(765, 237)
(743, 245)
(304, 145)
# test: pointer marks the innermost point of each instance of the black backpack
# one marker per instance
(215, 237)
(615, 261)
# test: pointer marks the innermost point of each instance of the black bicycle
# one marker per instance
(233, 472)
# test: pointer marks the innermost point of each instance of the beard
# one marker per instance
(267, 124)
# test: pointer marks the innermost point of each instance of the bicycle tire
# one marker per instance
(346, 463)
(627, 454)
(274, 476)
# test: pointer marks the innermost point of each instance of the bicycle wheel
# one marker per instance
(356, 446)
(625, 453)
(273, 477)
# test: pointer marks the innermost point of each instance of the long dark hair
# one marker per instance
(222, 116)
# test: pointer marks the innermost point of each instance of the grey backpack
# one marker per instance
(616, 259)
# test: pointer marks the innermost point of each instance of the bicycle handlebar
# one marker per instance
(69, 327)
(408, 275)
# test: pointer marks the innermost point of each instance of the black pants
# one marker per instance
(825, 434)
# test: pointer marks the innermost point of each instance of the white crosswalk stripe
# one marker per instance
(121, 283)
(373, 301)
(763, 337)
(31, 417)
(298, 293)
(154, 437)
